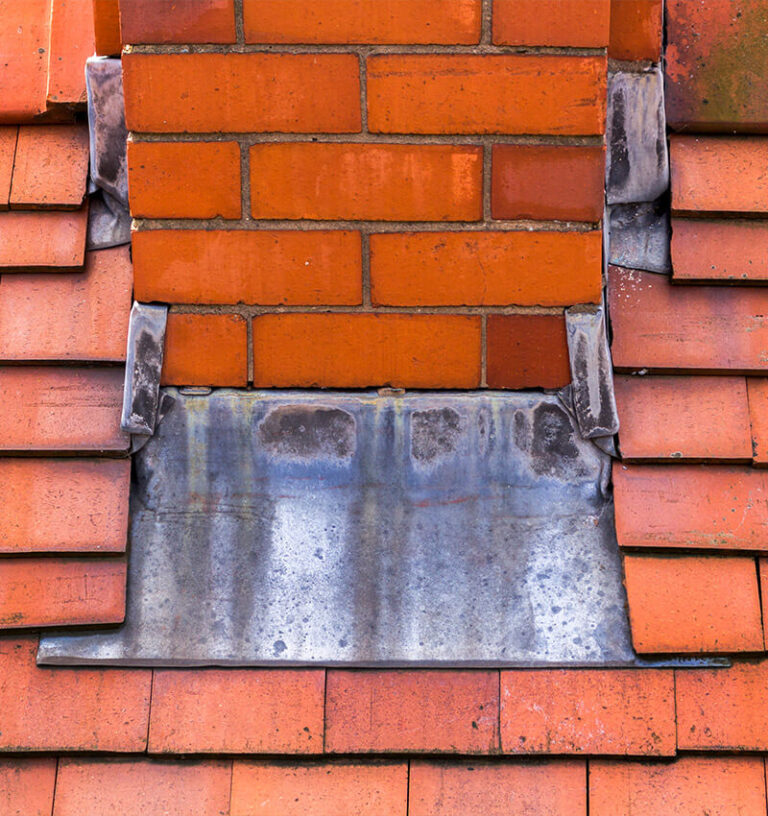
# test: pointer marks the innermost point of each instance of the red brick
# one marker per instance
(546, 182)
(205, 350)
(715, 61)
(414, 711)
(511, 93)
(72, 42)
(527, 351)
(576, 711)
(269, 267)
(24, 46)
(140, 787)
(59, 709)
(473, 268)
(106, 21)
(556, 788)
(757, 392)
(710, 328)
(237, 711)
(26, 786)
(716, 786)
(63, 505)
(211, 93)
(636, 29)
(61, 409)
(43, 239)
(721, 251)
(574, 23)
(377, 182)
(68, 316)
(683, 418)
(51, 167)
(184, 179)
(358, 350)
(693, 604)
(61, 591)
(690, 506)
(8, 137)
(330, 789)
(723, 709)
(183, 21)
(719, 174)
(443, 22)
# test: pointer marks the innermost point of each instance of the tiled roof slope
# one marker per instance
(194, 742)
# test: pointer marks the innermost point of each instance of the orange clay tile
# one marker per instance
(473, 268)
(757, 391)
(43, 239)
(574, 23)
(527, 351)
(636, 29)
(719, 251)
(719, 174)
(106, 20)
(700, 785)
(142, 787)
(271, 267)
(331, 789)
(68, 315)
(61, 409)
(683, 418)
(762, 572)
(24, 47)
(51, 167)
(235, 711)
(660, 326)
(183, 21)
(693, 604)
(26, 786)
(8, 137)
(63, 505)
(723, 709)
(61, 591)
(554, 788)
(691, 506)
(205, 350)
(574, 711)
(72, 42)
(414, 711)
(59, 709)
(358, 350)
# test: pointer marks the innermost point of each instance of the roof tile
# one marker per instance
(71, 43)
(26, 786)
(8, 137)
(719, 251)
(43, 239)
(757, 392)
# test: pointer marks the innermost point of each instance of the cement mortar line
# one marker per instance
(486, 24)
(484, 349)
(239, 23)
(365, 227)
(249, 311)
(637, 67)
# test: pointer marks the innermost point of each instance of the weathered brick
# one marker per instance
(693, 604)
(43, 239)
(683, 418)
(711, 785)
(71, 43)
(574, 711)
(184, 179)
(26, 786)
(527, 351)
(691, 506)
(657, 325)
(205, 350)
(270, 267)
(358, 350)
(380, 182)
(183, 21)
(68, 316)
(432, 93)
(556, 788)
(63, 505)
(106, 22)
(546, 182)
(413, 711)
(719, 174)
(443, 22)
(237, 711)
(473, 268)
(8, 137)
(211, 93)
(60, 709)
(636, 29)
(330, 789)
(574, 23)
(61, 409)
(719, 250)
(757, 393)
(138, 787)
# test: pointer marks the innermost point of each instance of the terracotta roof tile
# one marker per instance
(719, 251)
(693, 604)
(26, 786)
(762, 572)
(43, 239)
(8, 137)
(757, 391)
(71, 43)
